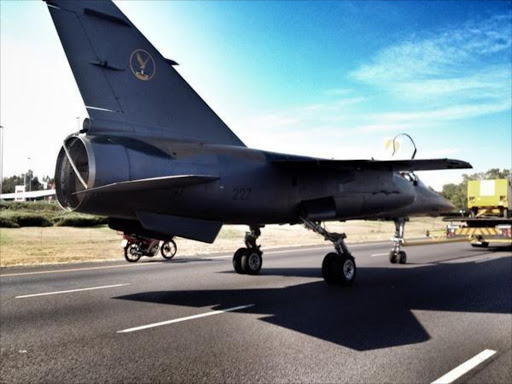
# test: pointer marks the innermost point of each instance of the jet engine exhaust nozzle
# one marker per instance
(72, 173)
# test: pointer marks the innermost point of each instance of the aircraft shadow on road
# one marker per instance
(375, 313)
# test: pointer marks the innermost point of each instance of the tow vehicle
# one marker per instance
(490, 218)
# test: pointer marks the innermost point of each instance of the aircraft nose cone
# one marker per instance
(445, 205)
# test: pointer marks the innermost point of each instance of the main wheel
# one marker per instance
(393, 257)
(168, 249)
(237, 261)
(402, 257)
(131, 252)
(339, 269)
(252, 261)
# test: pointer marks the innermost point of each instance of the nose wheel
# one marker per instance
(399, 257)
(396, 255)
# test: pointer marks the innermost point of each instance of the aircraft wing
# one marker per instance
(391, 165)
(151, 183)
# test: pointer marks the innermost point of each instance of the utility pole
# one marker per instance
(1, 158)
(29, 176)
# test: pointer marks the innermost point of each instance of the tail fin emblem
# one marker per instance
(142, 65)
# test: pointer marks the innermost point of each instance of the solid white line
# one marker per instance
(357, 245)
(220, 257)
(185, 318)
(298, 249)
(486, 259)
(462, 369)
(273, 252)
(379, 254)
(71, 290)
(75, 269)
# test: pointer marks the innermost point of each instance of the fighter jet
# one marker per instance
(158, 162)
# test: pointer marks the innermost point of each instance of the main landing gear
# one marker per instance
(338, 267)
(249, 260)
(396, 255)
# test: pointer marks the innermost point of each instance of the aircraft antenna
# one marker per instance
(410, 138)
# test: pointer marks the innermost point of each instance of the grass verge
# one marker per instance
(50, 245)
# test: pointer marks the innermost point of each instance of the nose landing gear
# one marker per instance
(337, 267)
(396, 255)
(249, 260)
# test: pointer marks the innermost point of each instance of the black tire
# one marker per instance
(131, 253)
(483, 244)
(339, 269)
(402, 257)
(252, 261)
(237, 261)
(393, 257)
(168, 249)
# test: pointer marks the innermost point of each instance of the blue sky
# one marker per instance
(331, 79)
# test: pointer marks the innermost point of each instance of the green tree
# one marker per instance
(32, 183)
(456, 194)
(9, 183)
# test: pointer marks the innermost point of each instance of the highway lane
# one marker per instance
(411, 323)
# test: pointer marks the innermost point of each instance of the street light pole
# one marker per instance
(29, 176)
(1, 158)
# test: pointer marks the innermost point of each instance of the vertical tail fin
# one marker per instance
(125, 82)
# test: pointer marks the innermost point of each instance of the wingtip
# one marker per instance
(459, 164)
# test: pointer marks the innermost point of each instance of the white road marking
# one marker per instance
(220, 257)
(274, 252)
(379, 254)
(185, 318)
(147, 264)
(74, 269)
(462, 369)
(72, 290)
(487, 259)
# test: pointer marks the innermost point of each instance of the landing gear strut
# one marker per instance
(249, 260)
(338, 267)
(396, 255)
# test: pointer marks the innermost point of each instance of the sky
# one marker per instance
(333, 79)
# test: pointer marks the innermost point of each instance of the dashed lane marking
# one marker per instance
(464, 368)
(212, 313)
(71, 290)
(379, 254)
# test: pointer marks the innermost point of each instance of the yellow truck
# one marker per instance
(490, 204)
(490, 197)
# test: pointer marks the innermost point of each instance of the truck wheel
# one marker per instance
(483, 244)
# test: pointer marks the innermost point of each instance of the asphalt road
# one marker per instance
(410, 324)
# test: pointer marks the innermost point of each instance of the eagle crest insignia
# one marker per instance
(142, 65)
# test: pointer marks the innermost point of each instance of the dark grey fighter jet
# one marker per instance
(155, 159)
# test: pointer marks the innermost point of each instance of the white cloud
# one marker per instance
(457, 112)
(460, 73)
(438, 55)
